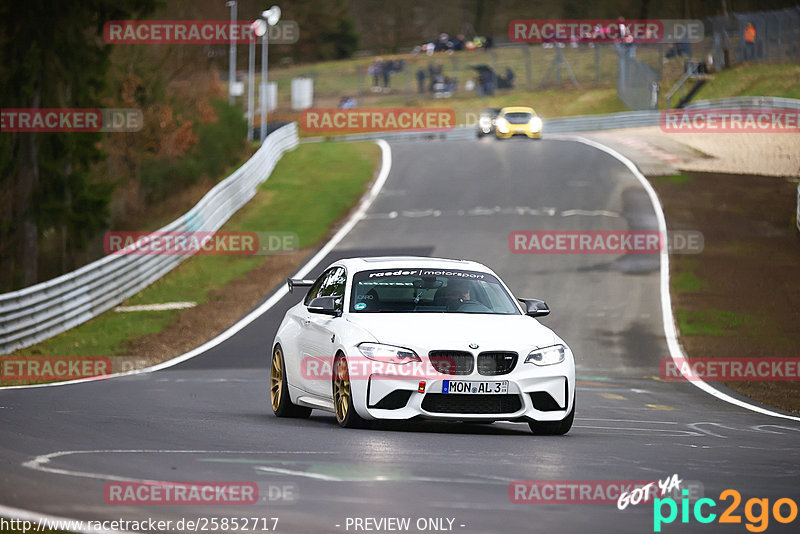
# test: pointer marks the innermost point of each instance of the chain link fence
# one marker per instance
(643, 73)
(637, 82)
(499, 70)
(764, 36)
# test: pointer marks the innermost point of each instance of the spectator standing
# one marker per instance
(386, 71)
(749, 41)
(376, 70)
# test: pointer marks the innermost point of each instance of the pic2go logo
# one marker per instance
(757, 521)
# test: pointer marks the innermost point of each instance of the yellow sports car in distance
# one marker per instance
(518, 121)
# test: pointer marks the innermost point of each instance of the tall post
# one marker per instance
(232, 53)
(528, 68)
(596, 62)
(251, 75)
(264, 96)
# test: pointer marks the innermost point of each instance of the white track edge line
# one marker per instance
(670, 332)
(355, 218)
(366, 202)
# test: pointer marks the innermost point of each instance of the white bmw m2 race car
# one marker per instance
(404, 338)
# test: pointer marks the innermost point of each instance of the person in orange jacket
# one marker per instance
(749, 41)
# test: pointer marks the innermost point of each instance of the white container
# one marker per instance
(272, 96)
(302, 93)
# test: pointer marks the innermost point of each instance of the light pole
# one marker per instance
(268, 18)
(232, 56)
(251, 76)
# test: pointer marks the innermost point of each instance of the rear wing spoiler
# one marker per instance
(298, 282)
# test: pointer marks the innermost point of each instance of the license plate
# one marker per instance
(475, 388)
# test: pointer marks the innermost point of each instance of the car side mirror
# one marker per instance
(330, 305)
(535, 307)
(298, 282)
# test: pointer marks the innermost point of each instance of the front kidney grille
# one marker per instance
(496, 363)
(452, 362)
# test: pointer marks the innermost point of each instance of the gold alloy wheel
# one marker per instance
(276, 379)
(341, 389)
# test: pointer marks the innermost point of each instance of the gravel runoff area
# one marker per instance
(764, 154)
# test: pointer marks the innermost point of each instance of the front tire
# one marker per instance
(282, 405)
(346, 414)
(553, 428)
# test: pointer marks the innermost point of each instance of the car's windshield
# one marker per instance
(418, 290)
(517, 117)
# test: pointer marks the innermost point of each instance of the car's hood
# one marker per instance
(456, 331)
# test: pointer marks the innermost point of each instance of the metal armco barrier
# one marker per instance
(581, 123)
(633, 119)
(41, 311)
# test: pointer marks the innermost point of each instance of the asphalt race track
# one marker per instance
(209, 417)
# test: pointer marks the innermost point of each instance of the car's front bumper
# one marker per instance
(519, 131)
(534, 393)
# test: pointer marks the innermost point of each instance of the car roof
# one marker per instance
(517, 109)
(398, 262)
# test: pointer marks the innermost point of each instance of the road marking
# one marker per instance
(589, 383)
(612, 396)
(304, 474)
(672, 432)
(629, 421)
(483, 211)
(376, 477)
(358, 215)
(156, 307)
(670, 332)
(589, 213)
(663, 407)
(40, 462)
(282, 291)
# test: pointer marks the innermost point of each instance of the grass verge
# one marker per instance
(331, 177)
(740, 297)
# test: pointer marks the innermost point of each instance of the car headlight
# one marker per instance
(536, 124)
(547, 356)
(388, 353)
(502, 125)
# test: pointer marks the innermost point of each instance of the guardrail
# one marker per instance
(580, 123)
(38, 312)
